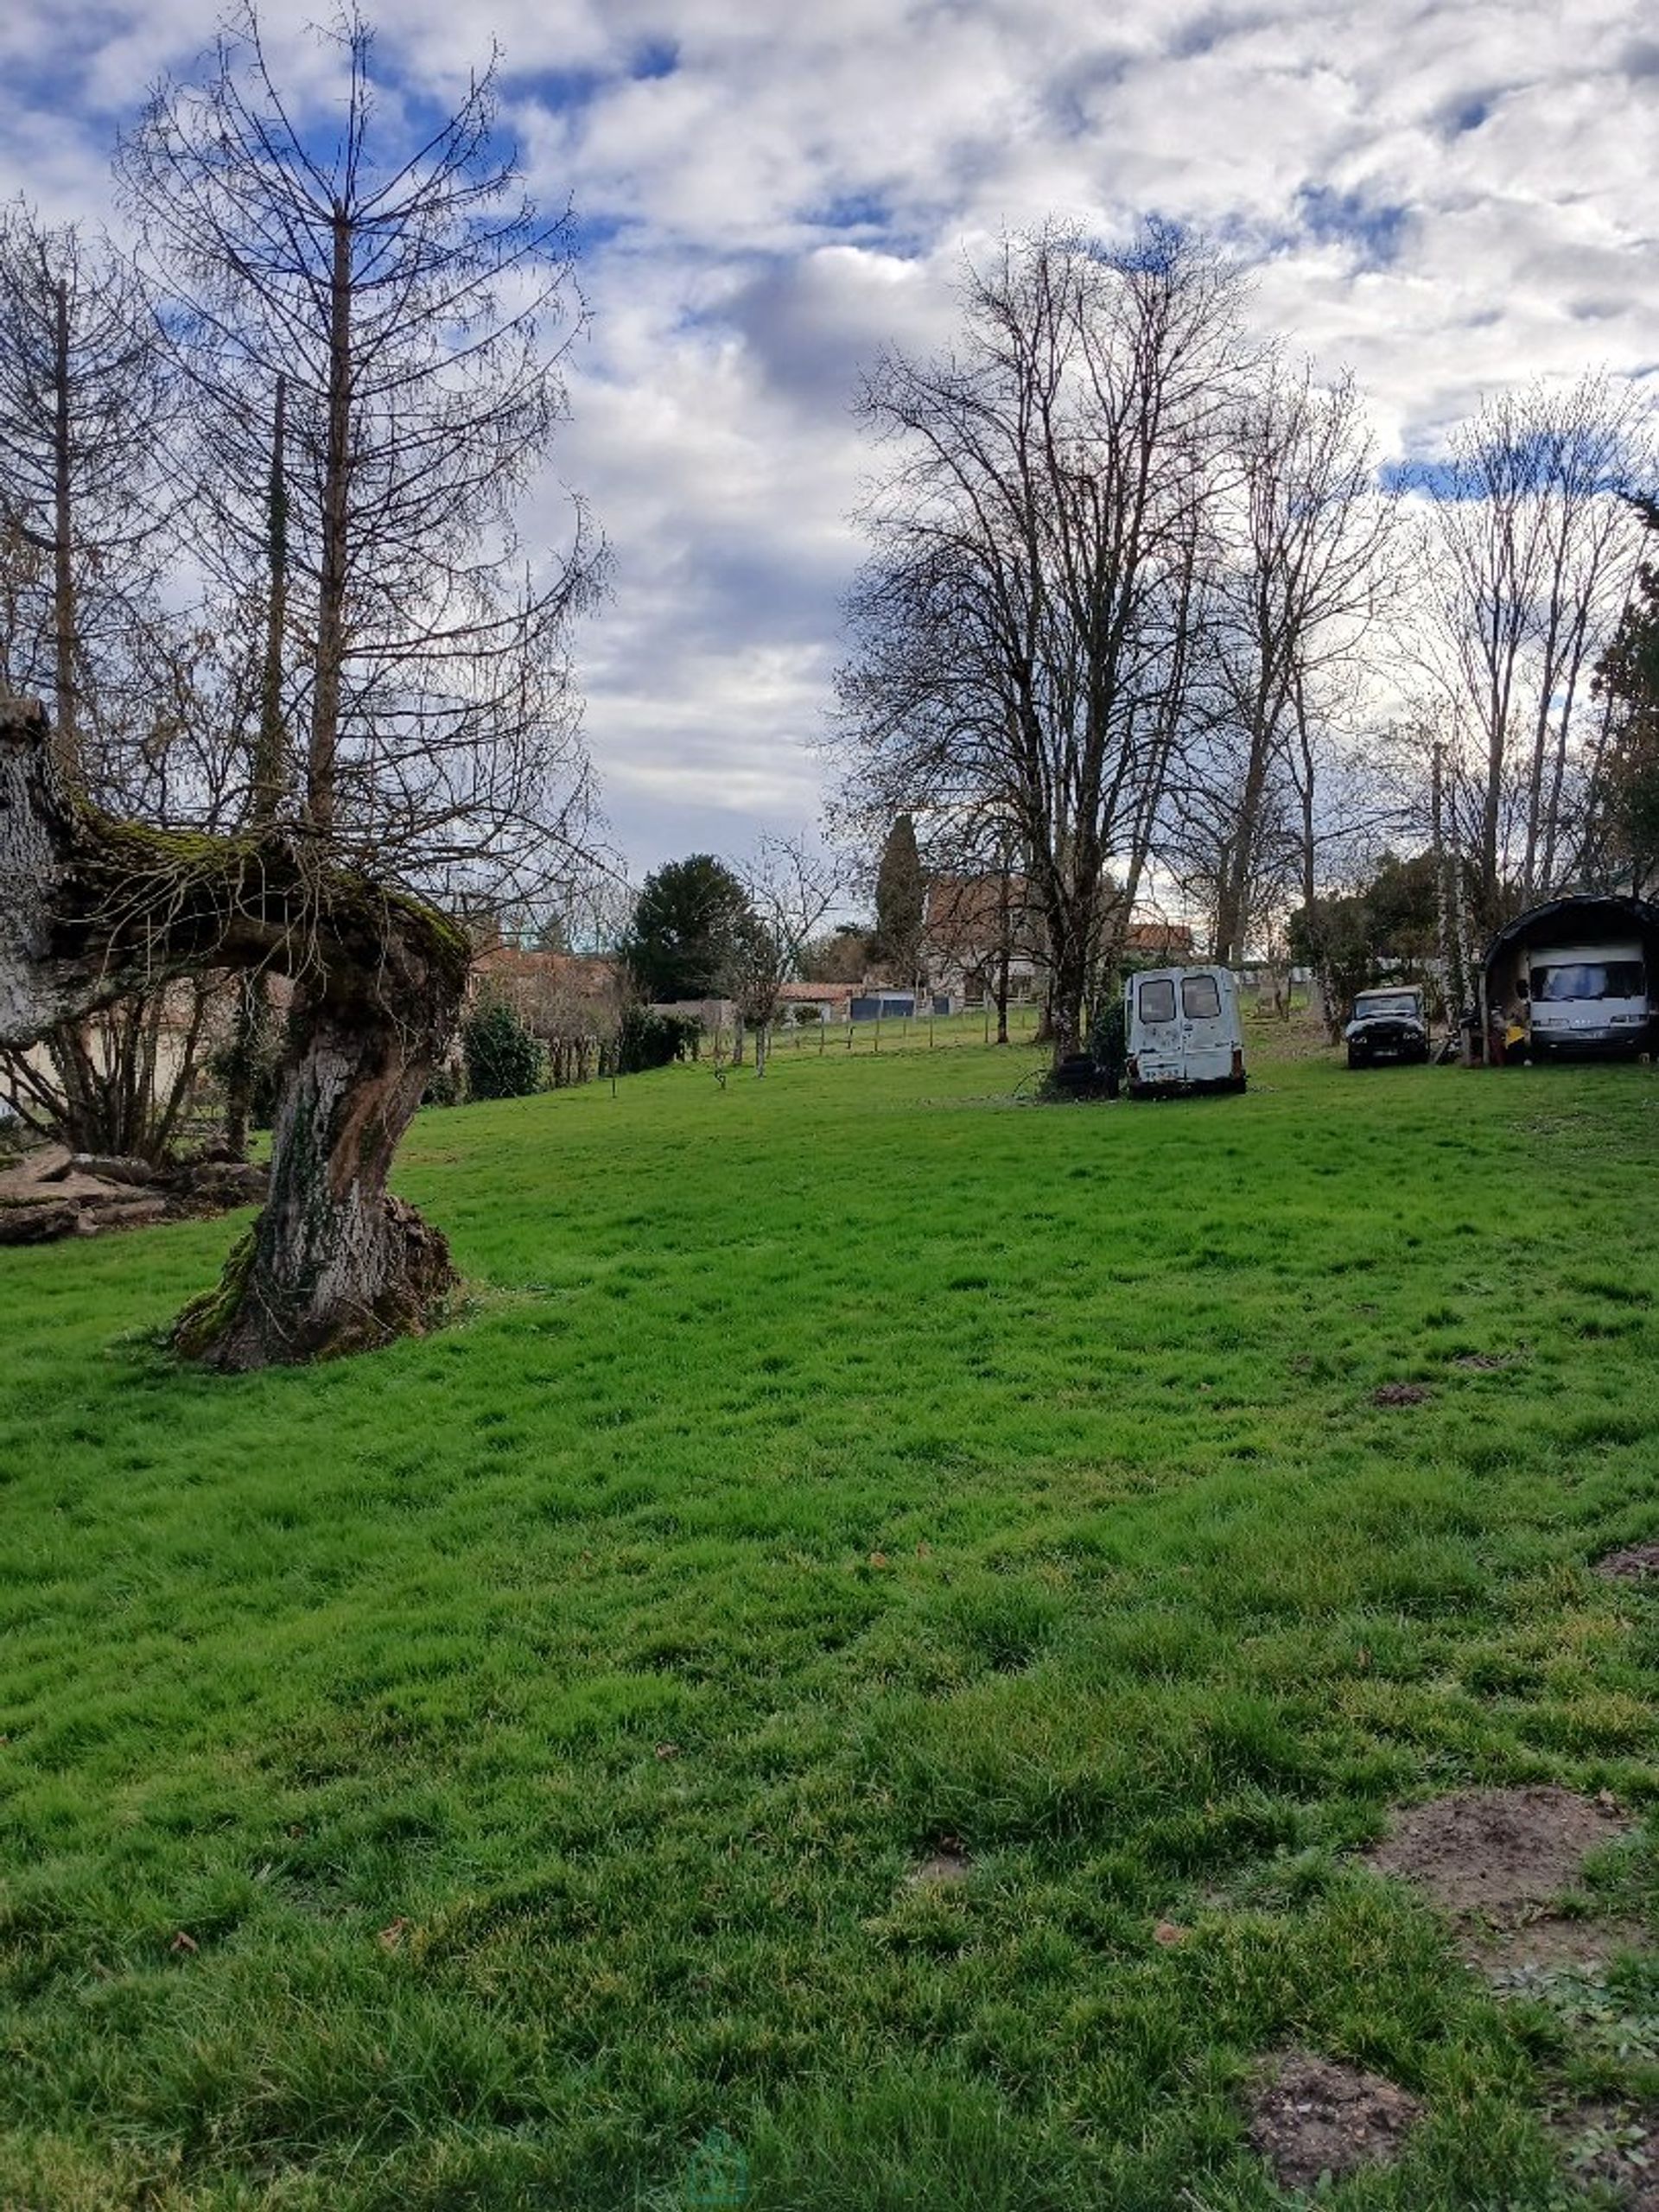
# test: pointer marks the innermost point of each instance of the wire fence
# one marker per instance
(911, 1033)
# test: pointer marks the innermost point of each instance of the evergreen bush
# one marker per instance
(647, 1039)
(504, 1057)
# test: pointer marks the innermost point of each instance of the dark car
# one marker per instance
(1386, 1025)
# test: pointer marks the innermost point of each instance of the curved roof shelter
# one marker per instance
(1581, 919)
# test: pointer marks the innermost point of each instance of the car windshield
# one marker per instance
(1370, 1002)
(1590, 979)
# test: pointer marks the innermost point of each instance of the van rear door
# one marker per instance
(1155, 1033)
(1207, 1028)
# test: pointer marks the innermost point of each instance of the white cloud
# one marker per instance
(1447, 200)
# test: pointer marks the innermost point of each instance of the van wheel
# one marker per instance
(1356, 1057)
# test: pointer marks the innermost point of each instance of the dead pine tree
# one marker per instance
(253, 1014)
(85, 403)
(415, 308)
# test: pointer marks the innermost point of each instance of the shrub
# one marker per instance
(651, 1040)
(504, 1058)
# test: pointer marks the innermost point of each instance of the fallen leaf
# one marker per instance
(878, 1559)
(668, 1750)
(1169, 1933)
(392, 1938)
(183, 1942)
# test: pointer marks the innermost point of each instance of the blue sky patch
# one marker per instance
(1376, 231)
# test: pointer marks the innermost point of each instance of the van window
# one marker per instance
(1158, 999)
(1200, 1000)
(1590, 979)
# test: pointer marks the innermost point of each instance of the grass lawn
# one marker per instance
(468, 1775)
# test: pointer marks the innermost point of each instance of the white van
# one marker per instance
(1587, 998)
(1182, 1031)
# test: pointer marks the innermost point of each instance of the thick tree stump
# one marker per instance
(88, 908)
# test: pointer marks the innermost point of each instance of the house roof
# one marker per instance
(589, 976)
(968, 909)
(1157, 936)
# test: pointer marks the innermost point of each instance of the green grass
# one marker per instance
(531, 1729)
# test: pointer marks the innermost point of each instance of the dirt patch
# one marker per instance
(1497, 1854)
(1550, 1941)
(1401, 1394)
(948, 1862)
(1636, 1563)
(1314, 2116)
(1614, 2145)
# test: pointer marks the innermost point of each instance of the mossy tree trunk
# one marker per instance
(334, 1263)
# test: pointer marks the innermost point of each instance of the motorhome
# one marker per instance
(1182, 1031)
(1586, 998)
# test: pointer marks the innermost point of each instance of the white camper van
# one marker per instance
(1182, 1032)
(1587, 998)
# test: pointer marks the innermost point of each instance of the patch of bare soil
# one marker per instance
(948, 1863)
(1312, 2116)
(1497, 1853)
(1401, 1394)
(1614, 2145)
(1550, 1941)
(1636, 1563)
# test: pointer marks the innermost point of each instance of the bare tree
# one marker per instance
(1528, 554)
(1305, 581)
(790, 889)
(977, 917)
(1025, 626)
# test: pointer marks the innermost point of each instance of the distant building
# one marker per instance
(967, 919)
(827, 1001)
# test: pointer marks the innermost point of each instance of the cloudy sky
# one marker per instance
(1447, 198)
